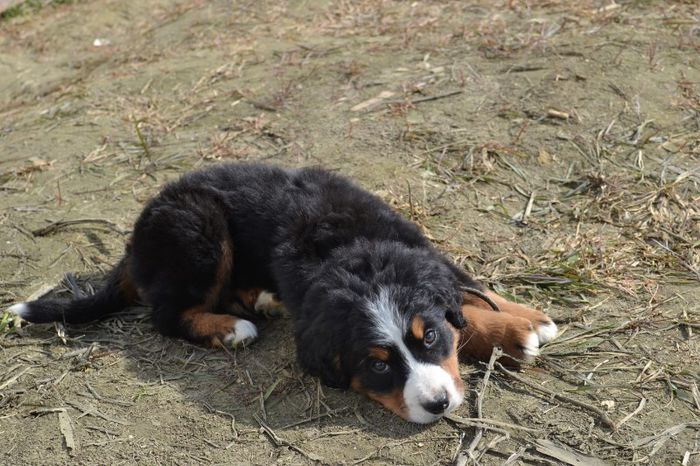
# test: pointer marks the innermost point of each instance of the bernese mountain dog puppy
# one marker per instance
(375, 306)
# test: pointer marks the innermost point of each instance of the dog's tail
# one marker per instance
(118, 293)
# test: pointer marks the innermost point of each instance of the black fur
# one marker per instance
(108, 300)
(322, 244)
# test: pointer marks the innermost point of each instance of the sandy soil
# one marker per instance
(461, 114)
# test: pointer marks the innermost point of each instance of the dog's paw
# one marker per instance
(544, 326)
(268, 305)
(243, 334)
(486, 329)
(546, 330)
(527, 345)
(519, 339)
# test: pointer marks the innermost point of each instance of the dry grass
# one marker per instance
(551, 149)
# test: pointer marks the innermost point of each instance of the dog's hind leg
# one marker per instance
(216, 330)
(208, 323)
(182, 264)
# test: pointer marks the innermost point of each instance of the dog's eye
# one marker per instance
(379, 366)
(429, 337)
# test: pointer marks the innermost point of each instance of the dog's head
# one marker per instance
(384, 319)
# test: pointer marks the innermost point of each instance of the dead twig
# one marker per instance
(88, 410)
(59, 225)
(490, 424)
(557, 114)
(521, 219)
(142, 140)
(64, 424)
(14, 378)
(642, 403)
(280, 442)
(685, 264)
(657, 441)
(565, 454)
(420, 100)
(66, 427)
(105, 399)
(316, 417)
(604, 418)
(233, 423)
(468, 454)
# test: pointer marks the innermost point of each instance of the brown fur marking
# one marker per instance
(249, 297)
(487, 329)
(203, 323)
(209, 326)
(533, 315)
(393, 401)
(418, 327)
(451, 363)
(223, 273)
(379, 353)
(336, 362)
(127, 286)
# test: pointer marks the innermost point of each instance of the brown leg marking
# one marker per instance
(223, 273)
(533, 315)
(487, 328)
(207, 327)
(210, 328)
(543, 325)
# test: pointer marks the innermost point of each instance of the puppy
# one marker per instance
(375, 306)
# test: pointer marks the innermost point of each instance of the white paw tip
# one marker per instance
(547, 332)
(20, 309)
(265, 300)
(531, 347)
(244, 331)
(268, 304)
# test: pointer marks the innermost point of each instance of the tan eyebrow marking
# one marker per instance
(418, 327)
(379, 353)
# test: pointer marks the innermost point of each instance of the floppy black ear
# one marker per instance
(456, 318)
(461, 278)
(318, 356)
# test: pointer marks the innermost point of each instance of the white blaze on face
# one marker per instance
(425, 382)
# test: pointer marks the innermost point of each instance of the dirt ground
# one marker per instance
(551, 147)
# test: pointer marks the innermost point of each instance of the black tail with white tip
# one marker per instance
(116, 295)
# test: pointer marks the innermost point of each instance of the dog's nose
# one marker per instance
(438, 405)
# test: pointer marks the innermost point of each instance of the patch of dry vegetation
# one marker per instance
(550, 148)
